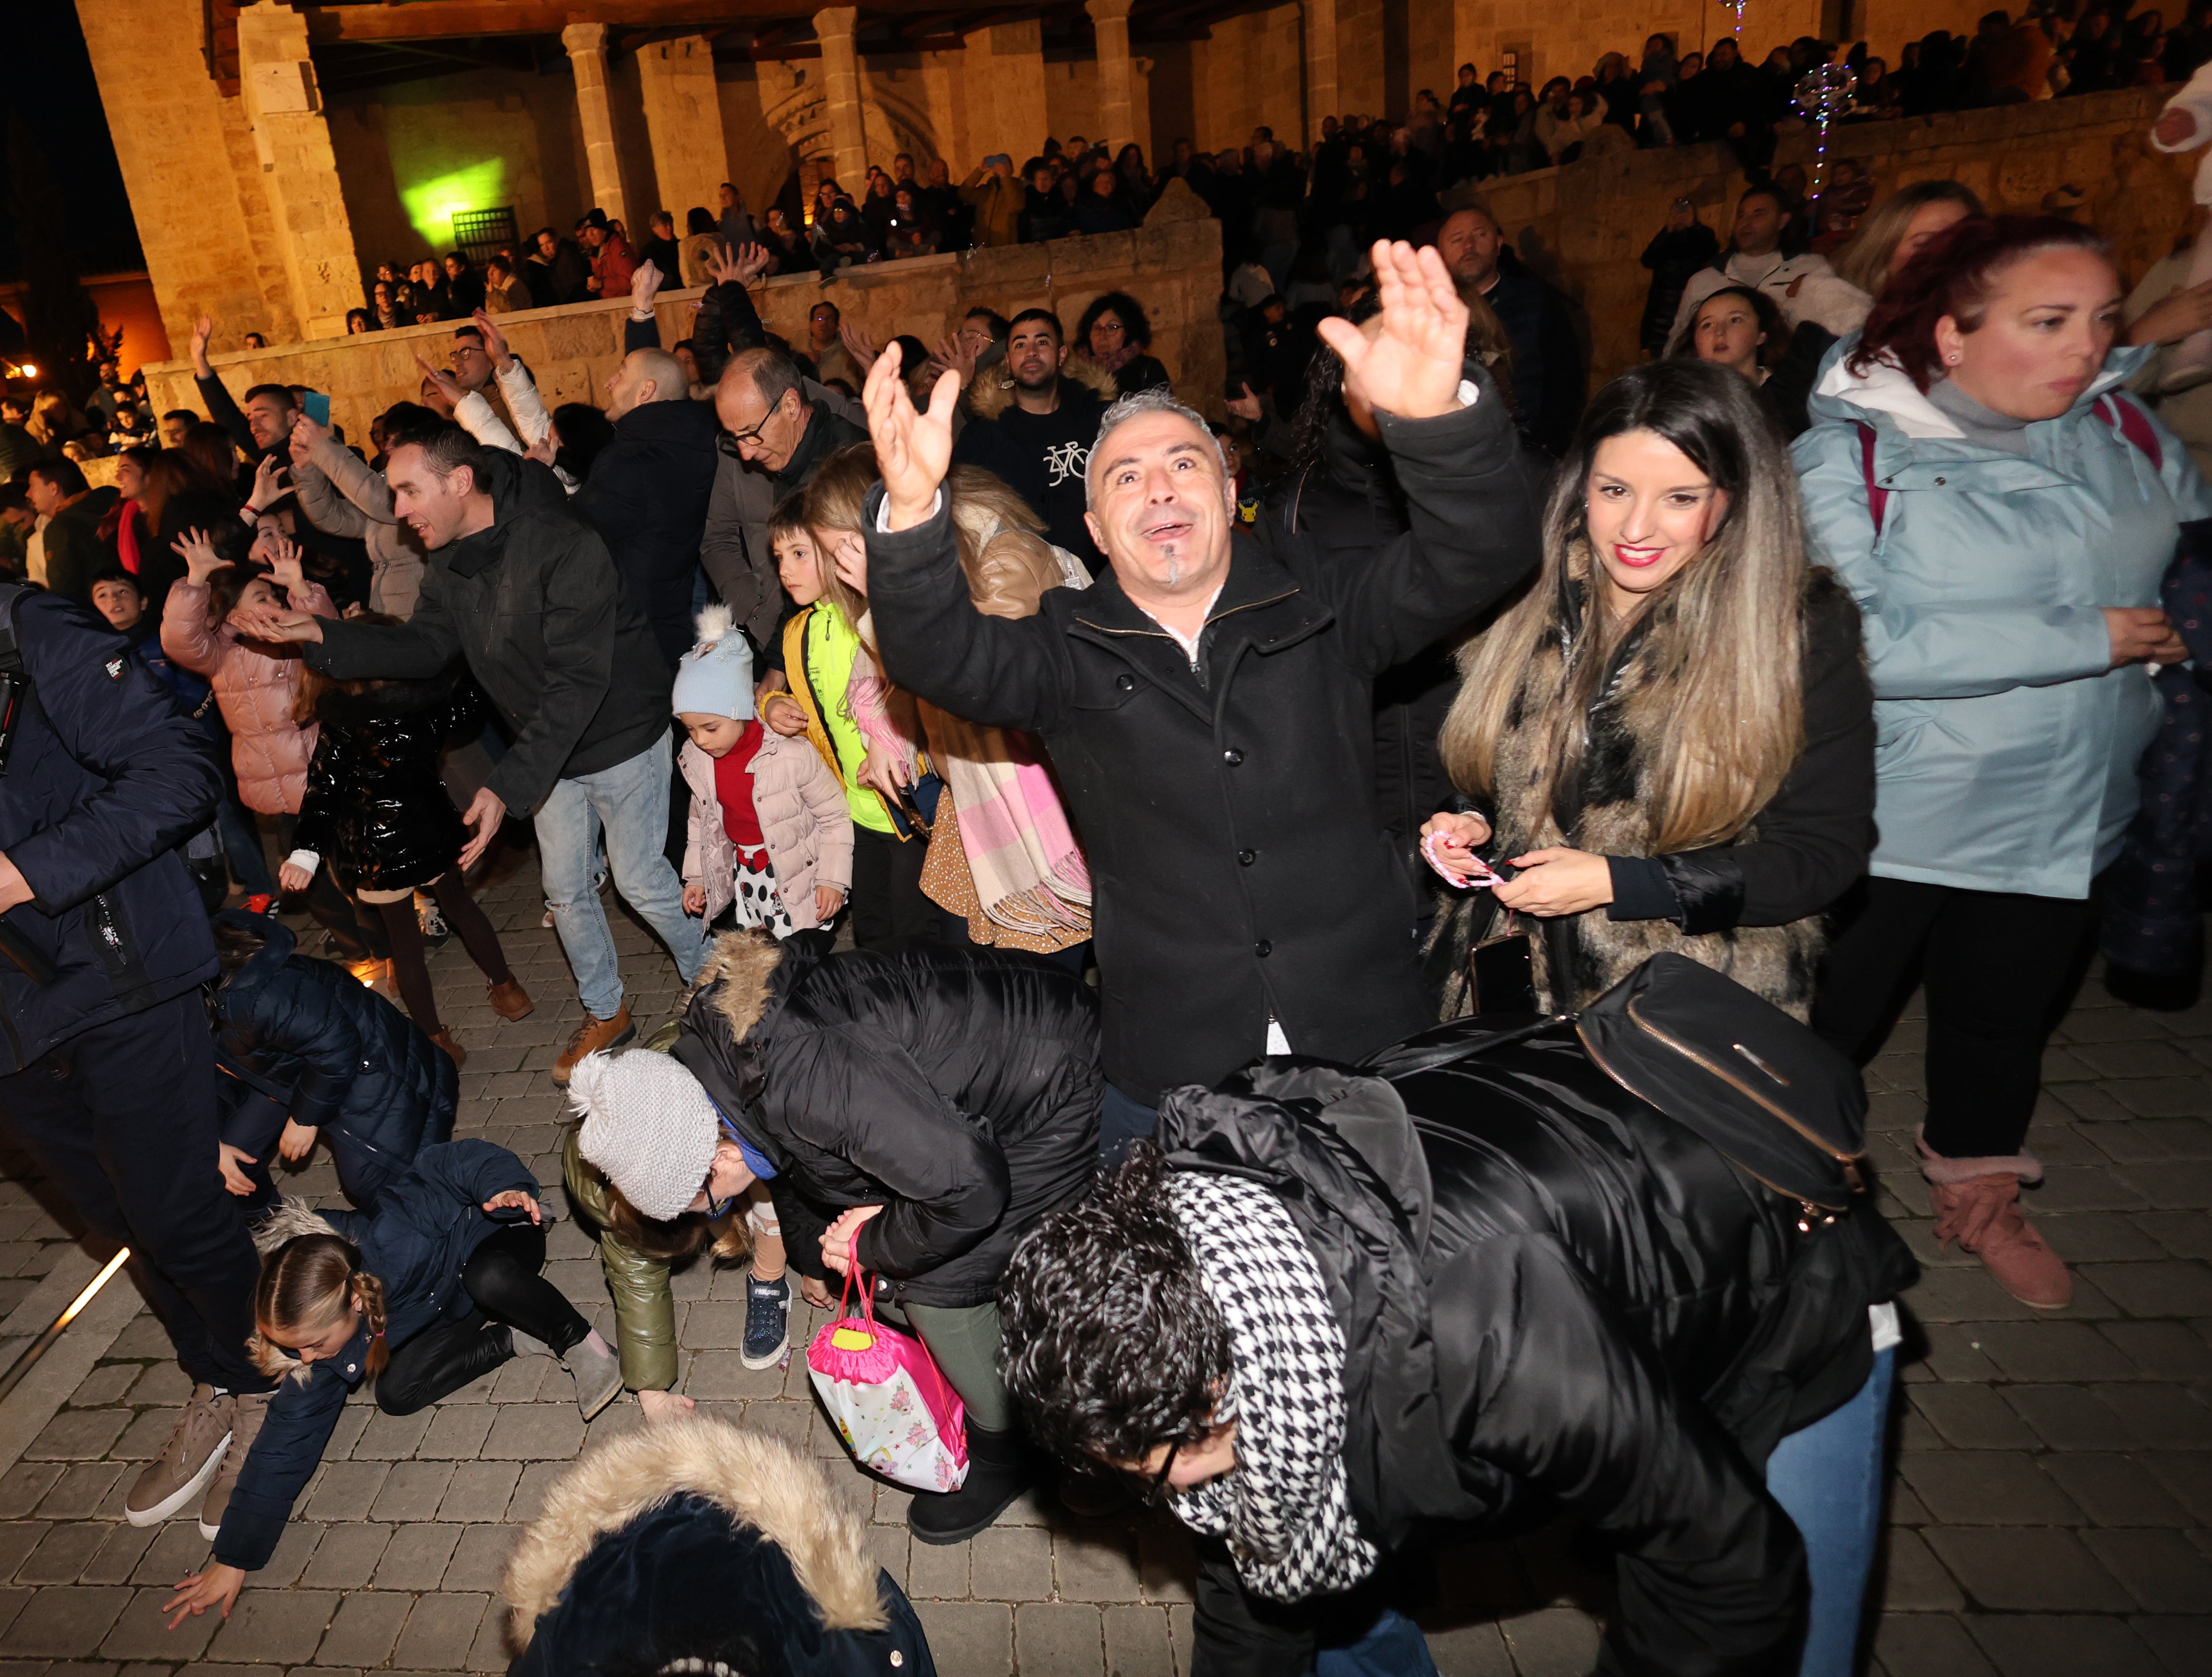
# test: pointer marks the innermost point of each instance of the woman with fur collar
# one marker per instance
(1673, 726)
(694, 1546)
(2005, 516)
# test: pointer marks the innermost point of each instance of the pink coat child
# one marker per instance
(770, 833)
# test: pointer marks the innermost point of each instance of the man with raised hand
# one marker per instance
(1207, 700)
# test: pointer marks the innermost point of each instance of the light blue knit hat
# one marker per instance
(716, 677)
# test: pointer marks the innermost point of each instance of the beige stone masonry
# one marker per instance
(1124, 109)
(1005, 93)
(683, 116)
(595, 118)
(300, 172)
(841, 80)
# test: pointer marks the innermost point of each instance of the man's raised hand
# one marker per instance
(644, 286)
(913, 451)
(305, 436)
(266, 623)
(751, 262)
(449, 386)
(1411, 369)
(203, 330)
(494, 340)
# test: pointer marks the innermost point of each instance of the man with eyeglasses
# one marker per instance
(777, 428)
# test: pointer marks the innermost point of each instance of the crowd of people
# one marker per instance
(1121, 866)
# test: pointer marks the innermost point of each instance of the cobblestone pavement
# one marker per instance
(2051, 1509)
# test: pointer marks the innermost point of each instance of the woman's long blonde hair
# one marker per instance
(1865, 261)
(1718, 680)
(838, 495)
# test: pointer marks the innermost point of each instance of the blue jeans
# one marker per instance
(1828, 1478)
(1122, 1119)
(1392, 1647)
(630, 801)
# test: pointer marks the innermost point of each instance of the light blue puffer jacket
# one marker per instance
(2007, 749)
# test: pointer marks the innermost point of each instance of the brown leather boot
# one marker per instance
(592, 1037)
(509, 1000)
(444, 1039)
(1979, 1208)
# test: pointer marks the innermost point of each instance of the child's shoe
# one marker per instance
(767, 1322)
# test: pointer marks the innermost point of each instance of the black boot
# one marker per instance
(997, 1472)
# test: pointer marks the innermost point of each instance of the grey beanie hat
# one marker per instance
(716, 677)
(648, 1124)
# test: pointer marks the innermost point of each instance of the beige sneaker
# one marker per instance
(248, 1410)
(192, 1456)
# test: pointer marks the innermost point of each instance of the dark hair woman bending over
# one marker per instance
(1673, 726)
(2004, 515)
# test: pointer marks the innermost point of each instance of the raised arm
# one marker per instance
(217, 400)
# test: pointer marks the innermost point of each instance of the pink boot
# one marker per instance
(1977, 1203)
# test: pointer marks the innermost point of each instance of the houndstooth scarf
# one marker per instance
(1286, 1511)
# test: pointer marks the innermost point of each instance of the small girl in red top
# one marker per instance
(771, 835)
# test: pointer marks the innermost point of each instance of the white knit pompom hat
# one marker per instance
(648, 1125)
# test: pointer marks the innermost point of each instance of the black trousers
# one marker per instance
(1999, 969)
(887, 899)
(502, 1281)
(121, 1118)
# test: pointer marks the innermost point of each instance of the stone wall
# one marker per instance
(1173, 264)
(1584, 226)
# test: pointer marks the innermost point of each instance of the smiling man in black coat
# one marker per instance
(1208, 702)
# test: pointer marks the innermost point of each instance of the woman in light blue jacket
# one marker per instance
(2003, 515)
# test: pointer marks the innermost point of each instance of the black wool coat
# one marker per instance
(1239, 871)
(375, 808)
(1557, 1300)
(956, 1087)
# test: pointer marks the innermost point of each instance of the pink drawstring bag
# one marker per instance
(896, 1413)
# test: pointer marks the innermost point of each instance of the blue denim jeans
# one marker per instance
(1828, 1478)
(630, 801)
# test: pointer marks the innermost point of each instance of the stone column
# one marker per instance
(298, 171)
(587, 56)
(683, 119)
(1320, 64)
(1005, 93)
(840, 86)
(1122, 118)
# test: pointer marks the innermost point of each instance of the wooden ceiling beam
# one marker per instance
(431, 20)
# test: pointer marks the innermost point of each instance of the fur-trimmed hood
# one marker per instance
(990, 396)
(689, 1535)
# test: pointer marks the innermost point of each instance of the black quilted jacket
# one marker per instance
(375, 808)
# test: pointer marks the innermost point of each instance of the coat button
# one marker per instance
(1939, 482)
(1232, 756)
(1247, 857)
(1125, 683)
(1263, 949)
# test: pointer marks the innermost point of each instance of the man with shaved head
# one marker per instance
(1549, 381)
(648, 489)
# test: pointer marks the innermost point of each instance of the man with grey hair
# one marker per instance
(1208, 700)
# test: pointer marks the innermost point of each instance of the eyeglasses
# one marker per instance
(1152, 1488)
(728, 442)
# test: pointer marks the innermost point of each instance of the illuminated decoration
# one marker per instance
(1735, 6)
(1824, 93)
(39, 1346)
(431, 204)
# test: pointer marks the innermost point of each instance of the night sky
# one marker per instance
(51, 86)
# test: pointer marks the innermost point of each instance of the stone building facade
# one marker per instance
(276, 151)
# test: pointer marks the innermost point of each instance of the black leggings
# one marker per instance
(404, 933)
(1999, 969)
(502, 1281)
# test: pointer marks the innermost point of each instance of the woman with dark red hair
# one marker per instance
(2004, 514)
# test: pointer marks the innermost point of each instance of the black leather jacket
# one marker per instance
(1555, 1300)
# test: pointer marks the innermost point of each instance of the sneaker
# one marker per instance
(193, 1455)
(598, 1373)
(593, 1036)
(767, 1322)
(247, 1410)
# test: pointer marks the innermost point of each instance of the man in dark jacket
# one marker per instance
(264, 427)
(72, 512)
(1049, 415)
(1208, 702)
(1490, 1289)
(1549, 380)
(920, 1104)
(525, 591)
(106, 1070)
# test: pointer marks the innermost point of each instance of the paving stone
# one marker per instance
(1556, 1641)
(2170, 1185)
(84, 1488)
(62, 1554)
(938, 1571)
(2185, 1234)
(1986, 1488)
(2048, 1645)
(178, 1549)
(281, 1626)
(2163, 1350)
(392, 1437)
(2114, 1490)
(2022, 1570)
(2170, 1287)
(1015, 1564)
(2100, 1237)
(2185, 1645)
(416, 1557)
(105, 1385)
(2163, 1417)
(440, 1632)
(1459, 1650)
(65, 1622)
(530, 1490)
(1955, 1352)
(889, 1546)
(2164, 1097)
(345, 1490)
(17, 1539)
(1166, 1564)
(480, 1558)
(456, 1432)
(479, 1490)
(1911, 1579)
(411, 1491)
(162, 1384)
(1138, 1643)
(1097, 1564)
(141, 1441)
(2069, 1417)
(1063, 1638)
(367, 1625)
(723, 1374)
(972, 1638)
(2046, 1350)
(1971, 1417)
(143, 1631)
(534, 1432)
(2162, 1570)
(346, 1557)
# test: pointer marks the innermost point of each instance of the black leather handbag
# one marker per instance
(1786, 1108)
